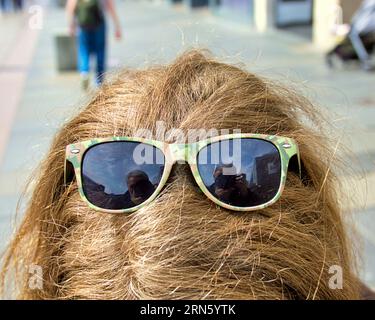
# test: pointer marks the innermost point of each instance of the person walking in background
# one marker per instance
(11, 5)
(87, 21)
(17, 5)
(3, 5)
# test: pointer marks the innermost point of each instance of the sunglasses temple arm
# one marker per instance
(298, 155)
(65, 171)
(68, 172)
(299, 162)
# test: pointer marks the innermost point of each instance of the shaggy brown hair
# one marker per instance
(182, 245)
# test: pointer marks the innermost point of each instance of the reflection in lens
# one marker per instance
(247, 177)
(112, 179)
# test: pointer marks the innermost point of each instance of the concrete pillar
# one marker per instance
(324, 16)
(264, 14)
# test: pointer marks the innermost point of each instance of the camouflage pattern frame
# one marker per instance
(175, 152)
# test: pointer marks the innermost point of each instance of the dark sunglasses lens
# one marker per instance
(241, 172)
(121, 174)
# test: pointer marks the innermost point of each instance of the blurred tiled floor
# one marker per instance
(155, 34)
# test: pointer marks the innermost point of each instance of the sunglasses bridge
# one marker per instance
(179, 152)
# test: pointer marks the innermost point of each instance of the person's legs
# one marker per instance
(17, 5)
(100, 50)
(84, 56)
(3, 5)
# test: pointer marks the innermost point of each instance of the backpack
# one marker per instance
(89, 14)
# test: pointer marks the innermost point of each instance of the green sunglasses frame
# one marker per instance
(173, 153)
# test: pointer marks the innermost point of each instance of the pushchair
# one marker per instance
(359, 43)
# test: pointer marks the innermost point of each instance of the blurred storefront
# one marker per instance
(293, 12)
(285, 12)
(312, 18)
(191, 3)
(237, 10)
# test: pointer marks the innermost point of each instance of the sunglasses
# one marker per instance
(240, 172)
